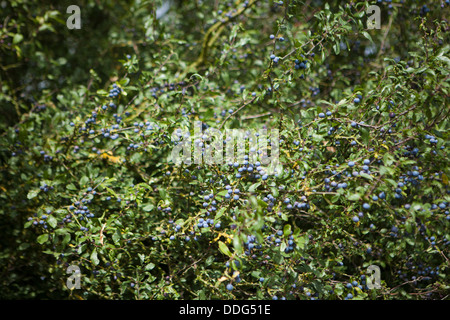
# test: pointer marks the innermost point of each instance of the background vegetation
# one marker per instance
(86, 123)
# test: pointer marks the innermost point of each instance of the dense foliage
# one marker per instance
(86, 138)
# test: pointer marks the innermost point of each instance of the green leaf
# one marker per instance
(162, 193)
(222, 193)
(365, 135)
(367, 36)
(234, 31)
(354, 197)
(23, 246)
(148, 207)
(42, 238)
(254, 186)
(219, 214)
(149, 266)
(83, 181)
(339, 289)
(360, 14)
(70, 186)
(94, 257)
(367, 176)
(237, 244)
(17, 38)
(51, 221)
(337, 48)
(224, 249)
(102, 92)
(301, 242)
(33, 193)
(116, 236)
(444, 59)
(66, 239)
(392, 182)
(388, 159)
(209, 260)
(386, 170)
(287, 230)
(275, 191)
(61, 231)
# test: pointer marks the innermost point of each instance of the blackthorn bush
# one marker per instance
(89, 116)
